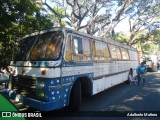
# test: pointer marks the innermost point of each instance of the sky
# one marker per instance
(123, 26)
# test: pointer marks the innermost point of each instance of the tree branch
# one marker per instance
(125, 5)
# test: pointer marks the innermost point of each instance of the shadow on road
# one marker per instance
(127, 98)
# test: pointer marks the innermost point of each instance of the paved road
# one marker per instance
(127, 98)
(123, 97)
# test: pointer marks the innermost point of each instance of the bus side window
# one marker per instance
(68, 53)
(77, 48)
(106, 53)
(113, 51)
(125, 55)
(86, 49)
(119, 56)
(98, 51)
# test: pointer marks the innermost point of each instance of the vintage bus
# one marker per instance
(58, 67)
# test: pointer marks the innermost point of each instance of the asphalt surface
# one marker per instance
(118, 102)
(124, 97)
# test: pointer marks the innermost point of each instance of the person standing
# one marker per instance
(141, 70)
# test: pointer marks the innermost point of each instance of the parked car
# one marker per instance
(150, 66)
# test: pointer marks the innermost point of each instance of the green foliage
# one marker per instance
(152, 45)
(58, 17)
(156, 36)
(121, 38)
(149, 43)
(18, 17)
(151, 49)
(143, 17)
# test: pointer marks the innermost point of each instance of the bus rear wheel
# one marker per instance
(75, 97)
(130, 72)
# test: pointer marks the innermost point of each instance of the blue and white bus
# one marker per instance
(58, 67)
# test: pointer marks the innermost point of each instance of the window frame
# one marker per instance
(101, 57)
(69, 34)
(90, 47)
(127, 53)
(73, 54)
(116, 47)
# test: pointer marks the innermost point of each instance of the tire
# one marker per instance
(75, 97)
(127, 81)
(130, 72)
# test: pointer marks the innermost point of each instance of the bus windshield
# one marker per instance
(46, 46)
(24, 48)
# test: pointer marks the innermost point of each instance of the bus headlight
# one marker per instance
(40, 85)
(40, 88)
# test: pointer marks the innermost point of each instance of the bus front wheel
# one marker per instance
(75, 98)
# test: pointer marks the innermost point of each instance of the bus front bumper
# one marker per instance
(40, 105)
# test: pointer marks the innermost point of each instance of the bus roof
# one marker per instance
(103, 39)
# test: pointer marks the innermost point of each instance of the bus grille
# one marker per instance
(25, 86)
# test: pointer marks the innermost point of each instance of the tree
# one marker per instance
(120, 37)
(96, 17)
(151, 49)
(155, 36)
(149, 42)
(100, 17)
(143, 16)
(152, 46)
(59, 17)
(18, 17)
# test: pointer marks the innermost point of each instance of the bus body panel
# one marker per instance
(37, 72)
